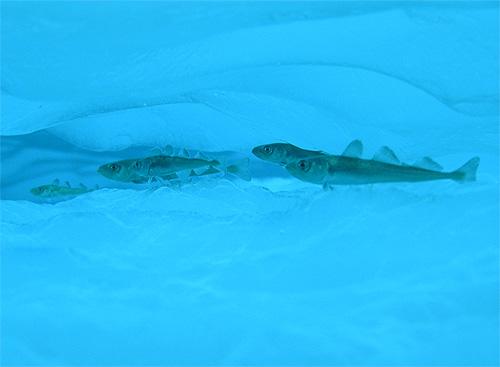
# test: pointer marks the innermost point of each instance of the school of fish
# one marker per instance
(312, 166)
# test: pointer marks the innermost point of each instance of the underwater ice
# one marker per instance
(271, 272)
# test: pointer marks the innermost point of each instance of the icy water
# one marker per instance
(222, 271)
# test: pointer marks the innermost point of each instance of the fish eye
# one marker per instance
(268, 149)
(114, 167)
(137, 164)
(304, 165)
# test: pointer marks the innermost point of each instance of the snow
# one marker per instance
(270, 272)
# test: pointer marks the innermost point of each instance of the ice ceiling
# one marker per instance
(216, 76)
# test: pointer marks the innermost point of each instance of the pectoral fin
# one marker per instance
(327, 186)
(386, 155)
(354, 149)
(204, 171)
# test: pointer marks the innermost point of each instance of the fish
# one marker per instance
(164, 168)
(382, 168)
(284, 153)
(123, 171)
(162, 165)
(57, 190)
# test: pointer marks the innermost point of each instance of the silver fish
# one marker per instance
(162, 165)
(56, 190)
(127, 170)
(167, 168)
(384, 167)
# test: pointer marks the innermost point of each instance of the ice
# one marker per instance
(269, 272)
(355, 276)
(149, 74)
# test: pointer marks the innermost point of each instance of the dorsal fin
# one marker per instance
(354, 149)
(386, 155)
(83, 186)
(185, 153)
(67, 184)
(168, 150)
(157, 151)
(55, 182)
(203, 156)
(428, 163)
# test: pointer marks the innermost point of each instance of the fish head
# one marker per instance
(44, 191)
(118, 171)
(139, 167)
(310, 170)
(275, 153)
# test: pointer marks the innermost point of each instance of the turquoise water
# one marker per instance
(274, 271)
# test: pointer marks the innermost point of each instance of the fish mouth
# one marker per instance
(257, 151)
(102, 170)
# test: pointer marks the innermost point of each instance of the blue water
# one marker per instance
(274, 271)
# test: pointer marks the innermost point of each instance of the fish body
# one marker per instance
(343, 170)
(162, 165)
(54, 190)
(168, 168)
(284, 153)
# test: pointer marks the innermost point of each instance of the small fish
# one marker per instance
(284, 153)
(384, 167)
(126, 171)
(168, 168)
(162, 165)
(56, 190)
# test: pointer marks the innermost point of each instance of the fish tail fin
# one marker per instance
(467, 172)
(240, 169)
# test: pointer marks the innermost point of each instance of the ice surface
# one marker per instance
(241, 275)
(271, 272)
